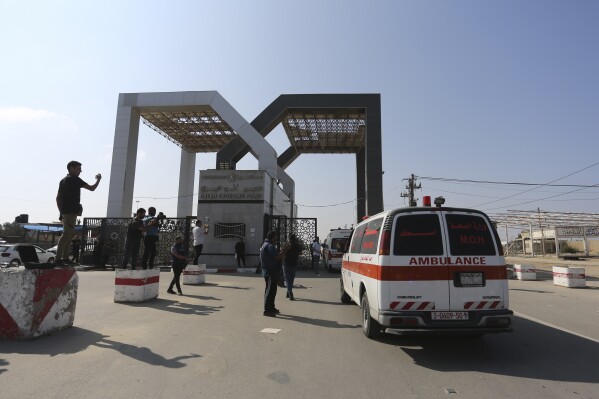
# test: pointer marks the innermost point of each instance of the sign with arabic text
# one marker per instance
(231, 185)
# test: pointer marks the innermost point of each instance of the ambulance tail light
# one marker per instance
(426, 200)
(385, 243)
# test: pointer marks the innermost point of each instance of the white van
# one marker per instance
(427, 269)
(334, 246)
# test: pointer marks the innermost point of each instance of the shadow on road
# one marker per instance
(3, 363)
(74, 339)
(532, 351)
(316, 322)
(177, 306)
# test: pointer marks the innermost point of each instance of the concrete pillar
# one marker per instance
(124, 159)
(360, 185)
(187, 172)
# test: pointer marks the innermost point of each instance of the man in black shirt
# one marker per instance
(68, 201)
(133, 241)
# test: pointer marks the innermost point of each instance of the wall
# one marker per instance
(237, 197)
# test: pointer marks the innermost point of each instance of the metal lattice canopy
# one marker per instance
(523, 219)
(198, 129)
(326, 131)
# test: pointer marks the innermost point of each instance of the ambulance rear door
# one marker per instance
(477, 271)
(418, 272)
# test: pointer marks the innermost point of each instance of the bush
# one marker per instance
(566, 249)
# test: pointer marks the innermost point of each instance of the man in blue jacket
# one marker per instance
(270, 259)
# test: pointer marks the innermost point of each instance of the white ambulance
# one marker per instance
(427, 270)
(334, 246)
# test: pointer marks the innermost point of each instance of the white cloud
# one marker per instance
(24, 114)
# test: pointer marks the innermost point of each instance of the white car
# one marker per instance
(9, 254)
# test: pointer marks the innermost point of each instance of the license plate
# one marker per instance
(470, 279)
(449, 315)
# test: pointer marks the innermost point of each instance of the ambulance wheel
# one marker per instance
(345, 298)
(15, 263)
(370, 327)
(50, 260)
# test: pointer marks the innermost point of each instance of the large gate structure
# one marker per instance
(103, 240)
(304, 229)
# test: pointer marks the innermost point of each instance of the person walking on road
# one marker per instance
(68, 201)
(240, 252)
(290, 264)
(316, 249)
(270, 259)
(179, 258)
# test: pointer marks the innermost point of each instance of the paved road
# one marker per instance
(209, 344)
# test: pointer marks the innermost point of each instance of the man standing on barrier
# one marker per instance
(151, 223)
(133, 241)
(68, 201)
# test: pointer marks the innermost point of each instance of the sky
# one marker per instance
(495, 91)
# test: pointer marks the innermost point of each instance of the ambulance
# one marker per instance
(419, 270)
(334, 247)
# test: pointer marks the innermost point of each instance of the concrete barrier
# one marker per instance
(36, 302)
(194, 274)
(572, 277)
(136, 285)
(525, 272)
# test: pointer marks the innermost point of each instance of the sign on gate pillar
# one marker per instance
(36, 302)
(194, 274)
(136, 285)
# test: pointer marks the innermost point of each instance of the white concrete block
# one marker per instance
(572, 277)
(525, 272)
(136, 285)
(36, 302)
(194, 274)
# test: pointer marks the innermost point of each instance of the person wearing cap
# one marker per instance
(135, 232)
(68, 201)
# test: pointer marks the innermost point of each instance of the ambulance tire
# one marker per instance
(345, 298)
(370, 327)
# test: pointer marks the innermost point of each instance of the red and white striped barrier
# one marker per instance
(407, 305)
(478, 305)
(36, 302)
(136, 285)
(525, 272)
(572, 277)
(194, 274)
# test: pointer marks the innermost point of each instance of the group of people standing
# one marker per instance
(274, 262)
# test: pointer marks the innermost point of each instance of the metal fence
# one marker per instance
(103, 240)
(303, 228)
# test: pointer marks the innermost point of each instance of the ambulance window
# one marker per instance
(418, 235)
(371, 236)
(469, 235)
(356, 242)
(339, 244)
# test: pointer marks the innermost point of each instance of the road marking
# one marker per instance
(554, 326)
(270, 330)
